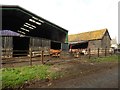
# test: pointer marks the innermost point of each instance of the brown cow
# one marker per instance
(54, 52)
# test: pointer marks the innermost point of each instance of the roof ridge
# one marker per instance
(94, 31)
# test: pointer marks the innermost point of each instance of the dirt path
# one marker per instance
(78, 74)
(103, 79)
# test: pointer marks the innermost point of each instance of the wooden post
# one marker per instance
(30, 57)
(110, 51)
(105, 52)
(42, 56)
(89, 53)
(49, 53)
(98, 52)
(4, 53)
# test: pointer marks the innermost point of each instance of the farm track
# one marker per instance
(79, 74)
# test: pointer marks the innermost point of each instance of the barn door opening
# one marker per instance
(20, 46)
(55, 45)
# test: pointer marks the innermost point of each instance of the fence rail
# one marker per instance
(42, 56)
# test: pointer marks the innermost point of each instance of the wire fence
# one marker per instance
(13, 58)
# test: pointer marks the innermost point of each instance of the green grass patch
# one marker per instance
(118, 58)
(12, 77)
(55, 75)
(113, 58)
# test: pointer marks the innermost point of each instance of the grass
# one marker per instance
(113, 58)
(12, 77)
(118, 58)
(0, 79)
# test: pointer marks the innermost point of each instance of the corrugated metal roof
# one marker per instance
(8, 33)
(92, 35)
(22, 21)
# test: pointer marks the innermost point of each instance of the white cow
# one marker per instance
(84, 51)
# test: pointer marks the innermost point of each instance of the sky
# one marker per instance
(76, 16)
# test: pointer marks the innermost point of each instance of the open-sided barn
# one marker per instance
(22, 30)
(92, 39)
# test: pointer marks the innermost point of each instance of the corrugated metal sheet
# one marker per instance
(8, 33)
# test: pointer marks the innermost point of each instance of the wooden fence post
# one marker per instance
(110, 51)
(42, 56)
(30, 57)
(105, 52)
(89, 53)
(49, 53)
(98, 52)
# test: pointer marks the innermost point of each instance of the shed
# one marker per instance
(95, 39)
(33, 30)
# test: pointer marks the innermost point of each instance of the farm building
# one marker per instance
(92, 39)
(22, 30)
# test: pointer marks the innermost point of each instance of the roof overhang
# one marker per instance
(79, 42)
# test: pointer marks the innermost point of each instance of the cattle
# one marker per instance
(78, 52)
(54, 52)
(84, 51)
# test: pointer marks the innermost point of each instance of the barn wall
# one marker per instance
(7, 46)
(39, 43)
(105, 43)
(94, 44)
(7, 42)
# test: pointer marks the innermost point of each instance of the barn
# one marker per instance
(22, 30)
(93, 39)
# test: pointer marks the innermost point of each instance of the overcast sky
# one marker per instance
(76, 16)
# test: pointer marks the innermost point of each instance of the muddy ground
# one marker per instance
(81, 74)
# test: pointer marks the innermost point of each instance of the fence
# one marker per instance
(42, 56)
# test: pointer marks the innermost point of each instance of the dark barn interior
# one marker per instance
(20, 46)
(55, 45)
(82, 45)
(27, 24)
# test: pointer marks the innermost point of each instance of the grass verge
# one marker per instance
(113, 58)
(12, 77)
